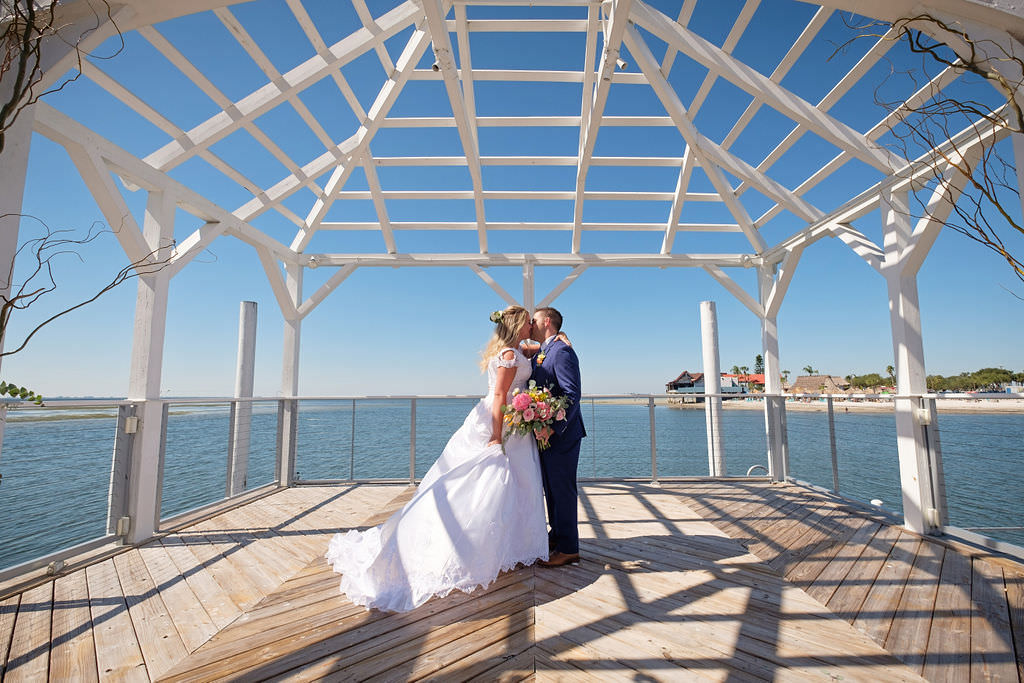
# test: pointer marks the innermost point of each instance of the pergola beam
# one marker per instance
(445, 63)
(763, 88)
(385, 100)
(65, 131)
(710, 155)
(272, 94)
(572, 260)
(592, 111)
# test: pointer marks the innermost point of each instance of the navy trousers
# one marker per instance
(558, 465)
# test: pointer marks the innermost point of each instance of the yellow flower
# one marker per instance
(540, 358)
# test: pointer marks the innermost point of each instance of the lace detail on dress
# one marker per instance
(511, 362)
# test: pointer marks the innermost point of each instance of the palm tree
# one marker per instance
(735, 370)
(744, 370)
(810, 370)
(785, 375)
(891, 371)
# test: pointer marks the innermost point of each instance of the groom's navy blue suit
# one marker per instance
(560, 370)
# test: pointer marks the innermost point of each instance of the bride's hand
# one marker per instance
(493, 442)
(561, 336)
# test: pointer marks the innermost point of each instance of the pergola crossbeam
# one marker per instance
(763, 88)
(595, 98)
(445, 61)
(741, 295)
(358, 143)
(562, 286)
(492, 283)
(272, 94)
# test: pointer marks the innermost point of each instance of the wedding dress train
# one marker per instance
(477, 512)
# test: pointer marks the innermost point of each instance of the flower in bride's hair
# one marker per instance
(496, 316)
(521, 402)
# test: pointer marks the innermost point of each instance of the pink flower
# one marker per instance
(560, 415)
(521, 402)
(543, 410)
(529, 414)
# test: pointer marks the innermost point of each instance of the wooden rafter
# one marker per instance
(445, 63)
(357, 144)
(590, 118)
(272, 94)
(761, 87)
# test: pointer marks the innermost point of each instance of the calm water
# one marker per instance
(56, 472)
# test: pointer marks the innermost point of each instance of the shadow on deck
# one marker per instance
(739, 580)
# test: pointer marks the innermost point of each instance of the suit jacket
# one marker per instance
(560, 370)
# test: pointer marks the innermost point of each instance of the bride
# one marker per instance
(477, 512)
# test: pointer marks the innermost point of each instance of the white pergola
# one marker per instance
(656, 43)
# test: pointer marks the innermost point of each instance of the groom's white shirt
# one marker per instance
(547, 342)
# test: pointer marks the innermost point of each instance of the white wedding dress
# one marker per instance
(478, 511)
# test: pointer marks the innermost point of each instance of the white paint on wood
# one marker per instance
(146, 365)
(245, 374)
(712, 385)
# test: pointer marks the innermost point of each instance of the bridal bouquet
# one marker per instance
(534, 410)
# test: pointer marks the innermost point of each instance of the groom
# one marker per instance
(557, 366)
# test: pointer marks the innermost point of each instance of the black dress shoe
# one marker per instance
(560, 559)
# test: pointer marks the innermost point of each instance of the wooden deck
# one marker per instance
(738, 580)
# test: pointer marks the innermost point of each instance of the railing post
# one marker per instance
(930, 421)
(241, 412)
(352, 451)
(412, 441)
(832, 444)
(120, 470)
(287, 436)
(654, 445)
(712, 388)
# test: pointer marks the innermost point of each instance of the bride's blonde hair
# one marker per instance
(507, 324)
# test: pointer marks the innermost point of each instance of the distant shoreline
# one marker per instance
(949, 405)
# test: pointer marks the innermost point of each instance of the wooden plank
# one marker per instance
(8, 614)
(645, 644)
(158, 638)
(396, 642)
(831, 576)
(849, 596)
(560, 659)
(803, 572)
(908, 636)
(279, 644)
(217, 556)
(185, 610)
(29, 655)
(992, 656)
(118, 655)
(1015, 600)
(484, 644)
(876, 614)
(949, 645)
(217, 602)
(72, 649)
(691, 597)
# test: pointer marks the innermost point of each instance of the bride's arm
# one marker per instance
(501, 387)
(529, 348)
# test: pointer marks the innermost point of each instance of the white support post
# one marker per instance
(920, 498)
(288, 426)
(528, 286)
(238, 464)
(774, 404)
(144, 490)
(13, 164)
(712, 385)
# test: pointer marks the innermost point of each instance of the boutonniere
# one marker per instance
(540, 358)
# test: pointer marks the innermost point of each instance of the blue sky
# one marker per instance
(418, 330)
